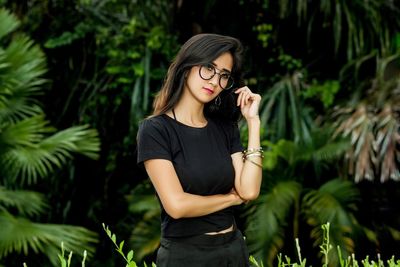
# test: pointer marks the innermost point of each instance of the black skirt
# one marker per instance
(221, 250)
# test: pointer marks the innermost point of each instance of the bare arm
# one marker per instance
(176, 202)
(248, 174)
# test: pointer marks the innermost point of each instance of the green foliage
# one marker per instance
(396, 41)
(265, 218)
(326, 246)
(286, 63)
(282, 106)
(325, 92)
(284, 195)
(8, 25)
(129, 257)
(66, 262)
(356, 27)
(283, 261)
(66, 38)
(127, 39)
(322, 149)
(31, 150)
(325, 249)
(119, 248)
(20, 235)
(145, 236)
(370, 118)
(264, 33)
(30, 154)
(110, 57)
(26, 203)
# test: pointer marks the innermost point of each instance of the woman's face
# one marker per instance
(204, 83)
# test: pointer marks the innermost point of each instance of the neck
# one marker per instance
(189, 111)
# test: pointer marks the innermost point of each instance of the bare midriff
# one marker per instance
(230, 229)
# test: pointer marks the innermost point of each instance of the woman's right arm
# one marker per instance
(176, 202)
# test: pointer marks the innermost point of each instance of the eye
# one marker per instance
(209, 67)
(225, 76)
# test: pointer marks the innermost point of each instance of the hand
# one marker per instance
(248, 102)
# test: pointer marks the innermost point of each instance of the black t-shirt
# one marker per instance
(202, 160)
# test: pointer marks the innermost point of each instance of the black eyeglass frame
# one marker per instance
(219, 74)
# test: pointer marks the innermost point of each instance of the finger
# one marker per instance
(256, 97)
(238, 101)
(242, 89)
(239, 90)
(243, 99)
(247, 97)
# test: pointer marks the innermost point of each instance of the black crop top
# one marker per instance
(202, 160)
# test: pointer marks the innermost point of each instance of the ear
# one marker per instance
(186, 74)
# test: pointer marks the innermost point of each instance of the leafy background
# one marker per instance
(76, 78)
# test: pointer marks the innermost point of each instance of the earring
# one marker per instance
(217, 100)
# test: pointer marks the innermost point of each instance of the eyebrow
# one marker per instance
(215, 65)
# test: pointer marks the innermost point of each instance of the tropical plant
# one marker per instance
(283, 260)
(145, 236)
(128, 36)
(109, 58)
(31, 150)
(371, 119)
(295, 170)
(298, 188)
(281, 106)
(354, 27)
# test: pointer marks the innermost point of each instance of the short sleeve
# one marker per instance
(235, 142)
(152, 141)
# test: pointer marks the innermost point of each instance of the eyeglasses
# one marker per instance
(208, 71)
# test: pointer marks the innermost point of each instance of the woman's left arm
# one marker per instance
(248, 171)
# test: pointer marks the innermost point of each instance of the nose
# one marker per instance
(214, 79)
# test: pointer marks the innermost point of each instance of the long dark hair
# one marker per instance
(201, 49)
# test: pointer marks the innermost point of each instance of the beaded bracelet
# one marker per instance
(252, 155)
(251, 150)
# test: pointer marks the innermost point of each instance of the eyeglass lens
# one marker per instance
(207, 72)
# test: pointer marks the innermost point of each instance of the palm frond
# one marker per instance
(265, 220)
(37, 160)
(330, 201)
(321, 149)
(357, 26)
(141, 91)
(19, 235)
(282, 106)
(372, 124)
(27, 203)
(386, 142)
(333, 202)
(22, 65)
(145, 236)
(331, 151)
(26, 132)
(78, 139)
(359, 125)
(8, 22)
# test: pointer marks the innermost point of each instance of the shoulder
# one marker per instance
(155, 124)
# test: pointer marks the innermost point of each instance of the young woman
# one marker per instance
(191, 150)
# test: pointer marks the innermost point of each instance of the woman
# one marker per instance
(191, 150)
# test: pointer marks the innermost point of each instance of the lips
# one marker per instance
(208, 90)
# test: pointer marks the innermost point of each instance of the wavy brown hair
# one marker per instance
(201, 49)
